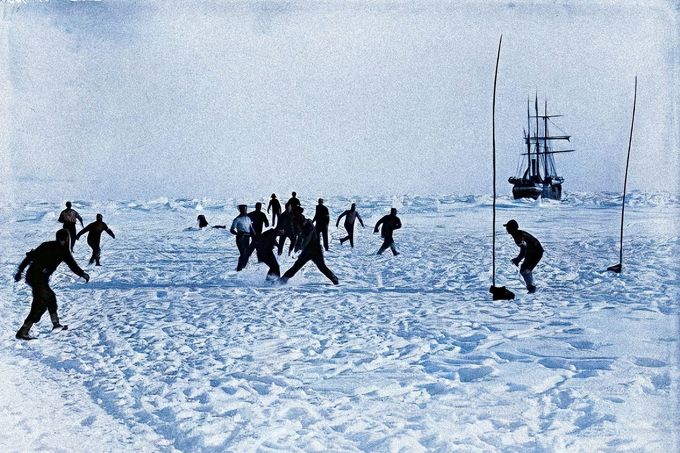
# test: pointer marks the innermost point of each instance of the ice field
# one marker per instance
(172, 350)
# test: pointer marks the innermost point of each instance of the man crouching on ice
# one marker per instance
(43, 262)
(530, 250)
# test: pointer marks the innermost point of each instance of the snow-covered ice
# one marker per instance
(171, 349)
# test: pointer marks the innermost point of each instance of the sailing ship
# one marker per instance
(536, 175)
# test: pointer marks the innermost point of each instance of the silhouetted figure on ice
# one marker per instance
(202, 221)
(264, 245)
(293, 201)
(286, 222)
(242, 228)
(389, 223)
(69, 217)
(259, 218)
(310, 249)
(95, 230)
(530, 249)
(322, 218)
(43, 262)
(351, 215)
(275, 207)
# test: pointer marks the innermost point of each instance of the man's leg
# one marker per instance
(385, 245)
(350, 235)
(321, 265)
(72, 234)
(324, 233)
(526, 270)
(51, 302)
(270, 260)
(38, 308)
(301, 261)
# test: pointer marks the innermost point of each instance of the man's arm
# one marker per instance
(266, 222)
(341, 216)
(25, 262)
(522, 250)
(108, 230)
(83, 231)
(79, 218)
(397, 224)
(377, 225)
(71, 262)
(360, 220)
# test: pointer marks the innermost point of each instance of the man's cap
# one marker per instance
(243, 206)
(511, 225)
(320, 200)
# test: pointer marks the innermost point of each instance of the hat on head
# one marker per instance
(511, 225)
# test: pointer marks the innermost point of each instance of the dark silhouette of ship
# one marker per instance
(537, 175)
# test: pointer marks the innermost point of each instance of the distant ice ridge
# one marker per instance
(413, 204)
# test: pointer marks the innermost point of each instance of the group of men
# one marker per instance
(305, 235)
(44, 260)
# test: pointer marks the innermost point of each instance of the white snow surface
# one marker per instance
(171, 350)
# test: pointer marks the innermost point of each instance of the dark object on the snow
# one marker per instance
(499, 293)
(389, 223)
(322, 218)
(95, 230)
(43, 262)
(310, 251)
(530, 250)
(351, 216)
(275, 206)
(618, 267)
(259, 218)
(68, 217)
(202, 222)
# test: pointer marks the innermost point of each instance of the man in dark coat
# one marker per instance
(322, 218)
(293, 201)
(530, 250)
(351, 215)
(43, 262)
(264, 245)
(389, 223)
(286, 222)
(95, 230)
(275, 206)
(310, 249)
(259, 219)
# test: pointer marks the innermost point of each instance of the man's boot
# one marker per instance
(22, 334)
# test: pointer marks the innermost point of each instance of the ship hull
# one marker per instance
(535, 190)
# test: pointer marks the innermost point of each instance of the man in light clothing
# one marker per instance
(242, 228)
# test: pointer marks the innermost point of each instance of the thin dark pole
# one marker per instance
(625, 179)
(493, 144)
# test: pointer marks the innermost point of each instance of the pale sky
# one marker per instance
(128, 100)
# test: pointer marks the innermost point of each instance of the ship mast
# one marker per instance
(545, 138)
(528, 138)
(538, 148)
